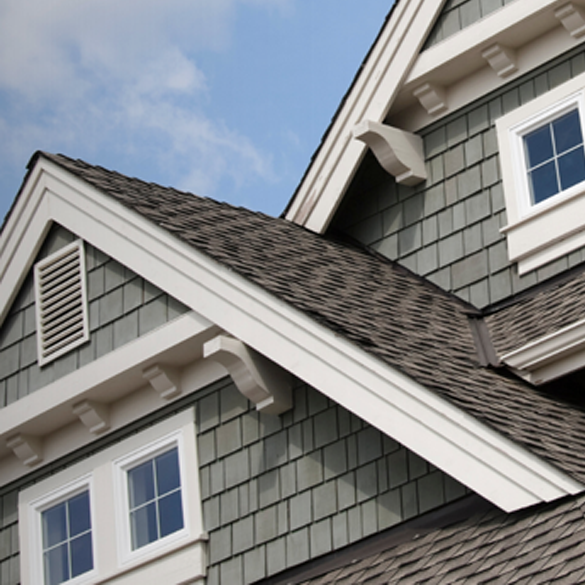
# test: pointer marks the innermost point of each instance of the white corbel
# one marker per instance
(400, 153)
(572, 18)
(263, 382)
(501, 59)
(94, 415)
(164, 380)
(27, 448)
(432, 98)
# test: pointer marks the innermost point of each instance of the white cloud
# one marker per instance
(122, 74)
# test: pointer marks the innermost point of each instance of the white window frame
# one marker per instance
(176, 558)
(540, 233)
(122, 466)
(47, 501)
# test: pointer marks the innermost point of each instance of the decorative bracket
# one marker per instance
(572, 18)
(263, 382)
(94, 415)
(27, 448)
(163, 379)
(432, 98)
(400, 153)
(501, 59)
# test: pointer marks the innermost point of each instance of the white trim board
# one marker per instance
(337, 160)
(487, 463)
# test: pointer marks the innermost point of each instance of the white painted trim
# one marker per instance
(338, 158)
(450, 439)
(105, 380)
(122, 465)
(30, 521)
(179, 560)
(550, 356)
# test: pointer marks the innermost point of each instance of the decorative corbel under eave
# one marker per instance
(94, 415)
(572, 18)
(432, 98)
(27, 448)
(263, 382)
(164, 380)
(501, 59)
(400, 153)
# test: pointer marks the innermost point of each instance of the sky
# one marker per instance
(223, 98)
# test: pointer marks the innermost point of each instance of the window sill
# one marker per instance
(554, 229)
(178, 563)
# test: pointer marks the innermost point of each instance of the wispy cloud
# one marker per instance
(83, 76)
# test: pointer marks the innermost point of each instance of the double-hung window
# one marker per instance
(542, 157)
(67, 543)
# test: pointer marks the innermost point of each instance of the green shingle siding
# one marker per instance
(459, 14)
(122, 306)
(278, 491)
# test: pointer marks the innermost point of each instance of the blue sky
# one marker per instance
(223, 98)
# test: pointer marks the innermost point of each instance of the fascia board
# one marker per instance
(336, 162)
(550, 356)
(486, 462)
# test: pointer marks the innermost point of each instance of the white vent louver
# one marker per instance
(61, 302)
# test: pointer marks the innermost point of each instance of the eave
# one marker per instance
(456, 71)
(551, 356)
(473, 453)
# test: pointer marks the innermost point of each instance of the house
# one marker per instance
(384, 385)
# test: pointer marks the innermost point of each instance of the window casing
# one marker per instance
(150, 498)
(543, 170)
(67, 541)
(179, 549)
(62, 535)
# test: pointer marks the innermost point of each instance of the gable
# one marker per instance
(122, 307)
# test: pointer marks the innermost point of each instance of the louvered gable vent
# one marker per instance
(61, 302)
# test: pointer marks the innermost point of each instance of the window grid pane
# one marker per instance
(154, 495)
(67, 544)
(555, 156)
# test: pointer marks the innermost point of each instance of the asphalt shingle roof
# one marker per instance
(403, 320)
(539, 545)
(544, 310)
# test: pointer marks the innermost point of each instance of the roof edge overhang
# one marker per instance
(370, 97)
(551, 356)
(491, 465)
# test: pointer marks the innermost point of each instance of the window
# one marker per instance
(104, 519)
(67, 548)
(151, 499)
(61, 302)
(154, 495)
(542, 157)
(555, 159)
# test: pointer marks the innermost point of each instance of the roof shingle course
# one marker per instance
(406, 322)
